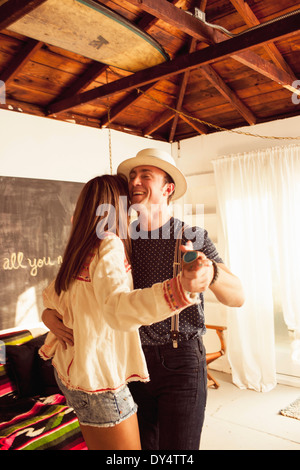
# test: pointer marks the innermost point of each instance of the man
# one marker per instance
(171, 406)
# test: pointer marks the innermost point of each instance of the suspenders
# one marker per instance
(176, 270)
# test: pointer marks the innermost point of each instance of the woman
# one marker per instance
(93, 293)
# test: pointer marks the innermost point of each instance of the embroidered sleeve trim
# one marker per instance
(84, 274)
(175, 294)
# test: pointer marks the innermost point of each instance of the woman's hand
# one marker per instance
(54, 321)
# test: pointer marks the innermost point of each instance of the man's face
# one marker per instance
(147, 185)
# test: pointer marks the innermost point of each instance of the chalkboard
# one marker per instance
(35, 226)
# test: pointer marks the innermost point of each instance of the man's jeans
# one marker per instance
(171, 406)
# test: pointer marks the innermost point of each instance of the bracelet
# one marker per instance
(216, 272)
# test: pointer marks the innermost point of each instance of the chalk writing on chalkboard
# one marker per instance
(18, 260)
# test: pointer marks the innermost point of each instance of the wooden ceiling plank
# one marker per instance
(283, 27)
(120, 107)
(162, 119)
(90, 75)
(266, 68)
(251, 19)
(215, 79)
(13, 10)
(26, 53)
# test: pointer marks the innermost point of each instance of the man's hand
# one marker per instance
(54, 321)
(197, 275)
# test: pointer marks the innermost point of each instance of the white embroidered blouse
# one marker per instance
(105, 314)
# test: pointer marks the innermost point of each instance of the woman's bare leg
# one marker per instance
(123, 436)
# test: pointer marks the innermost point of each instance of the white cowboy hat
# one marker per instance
(159, 159)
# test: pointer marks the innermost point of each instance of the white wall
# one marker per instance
(35, 147)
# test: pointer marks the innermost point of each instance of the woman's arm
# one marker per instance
(54, 321)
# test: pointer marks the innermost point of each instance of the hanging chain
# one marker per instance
(109, 130)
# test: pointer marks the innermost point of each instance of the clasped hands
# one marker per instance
(197, 275)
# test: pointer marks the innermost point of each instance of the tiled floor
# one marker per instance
(247, 420)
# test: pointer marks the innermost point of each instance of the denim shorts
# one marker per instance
(99, 409)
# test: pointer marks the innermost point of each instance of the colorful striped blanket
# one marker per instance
(49, 425)
(34, 423)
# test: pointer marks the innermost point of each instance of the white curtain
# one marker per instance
(259, 203)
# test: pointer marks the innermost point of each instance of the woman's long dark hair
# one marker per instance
(84, 236)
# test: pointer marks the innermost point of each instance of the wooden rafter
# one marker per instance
(251, 19)
(266, 68)
(211, 75)
(182, 89)
(284, 27)
(16, 64)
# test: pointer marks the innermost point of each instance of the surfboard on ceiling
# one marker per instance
(91, 30)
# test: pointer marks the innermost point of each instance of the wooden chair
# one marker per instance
(210, 357)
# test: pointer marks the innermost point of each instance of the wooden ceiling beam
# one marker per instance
(16, 64)
(284, 27)
(251, 19)
(147, 20)
(179, 18)
(182, 89)
(13, 10)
